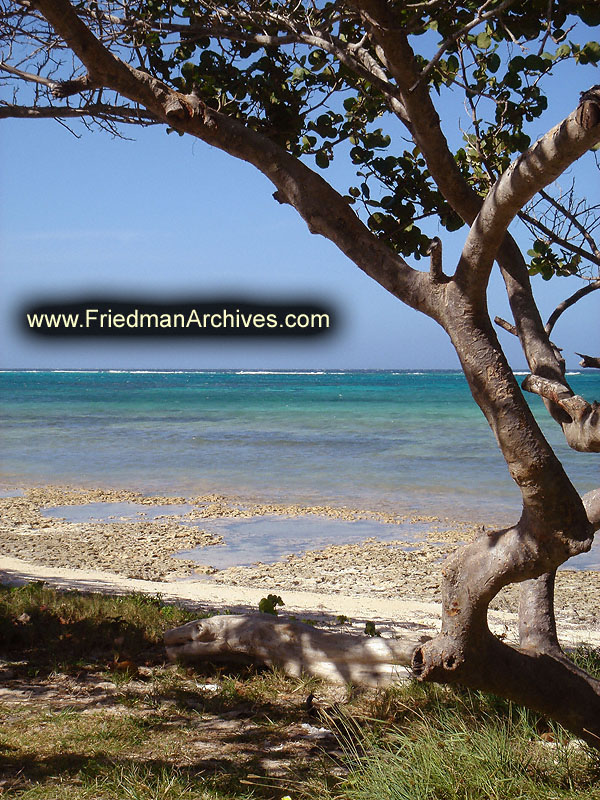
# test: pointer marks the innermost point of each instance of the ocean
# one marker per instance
(409, 441)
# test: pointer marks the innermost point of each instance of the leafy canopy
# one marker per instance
(306, 76)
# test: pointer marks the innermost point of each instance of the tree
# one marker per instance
(292, 86)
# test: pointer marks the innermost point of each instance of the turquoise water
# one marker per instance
(411, 441)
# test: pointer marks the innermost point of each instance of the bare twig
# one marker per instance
(553, 236)
(456, 36)
(124, 114)
(574, 220)
(583, 292)
(28, 76)
(502, 323)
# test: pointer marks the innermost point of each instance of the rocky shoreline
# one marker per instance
(143, 549)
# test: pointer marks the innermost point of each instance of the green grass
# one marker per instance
(156, 730)
(63, 631)
(444, 743)
(118, 723)
(588, 658)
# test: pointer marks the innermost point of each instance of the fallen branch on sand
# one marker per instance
(294, 647)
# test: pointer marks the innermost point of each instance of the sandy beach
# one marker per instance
(396, 587)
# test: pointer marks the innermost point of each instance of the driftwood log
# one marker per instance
(294, 647)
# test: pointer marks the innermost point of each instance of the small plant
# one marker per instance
(141, 599)
(371, 630)
(341, 619)
(268, 604)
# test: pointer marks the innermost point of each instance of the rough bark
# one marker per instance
(581, 420)
(294, 647)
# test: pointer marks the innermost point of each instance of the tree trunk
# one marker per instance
(554, 526)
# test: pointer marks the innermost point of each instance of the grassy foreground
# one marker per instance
(89, 710)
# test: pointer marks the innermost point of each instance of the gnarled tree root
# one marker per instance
(544, 682)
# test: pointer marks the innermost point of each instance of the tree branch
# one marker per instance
(589, 361)
(354, 56)
(579, 420)
(27, 76)
(543, 357)
(293, 646)
(325, 211)
(75, 86)
(539, 166)
(434, 251)
(502, 323)
(551, 390)
(562, 307)
(392, 45)
(427, 133)
(554, 237)
(573, 219)
(124, 114)
(582, 428)
(456, 36)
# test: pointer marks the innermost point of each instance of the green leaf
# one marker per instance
(322, 159)
(453, 222)
(512, 80)
(590, 14)
(592, 51)
(375, 220)
(493, 62)
(483, 40)
(516, 64)
(534, 63)
(452, 64)
(317, 58)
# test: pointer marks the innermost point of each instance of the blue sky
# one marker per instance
(169, 217)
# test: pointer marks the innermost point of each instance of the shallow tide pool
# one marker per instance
(268, 538)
